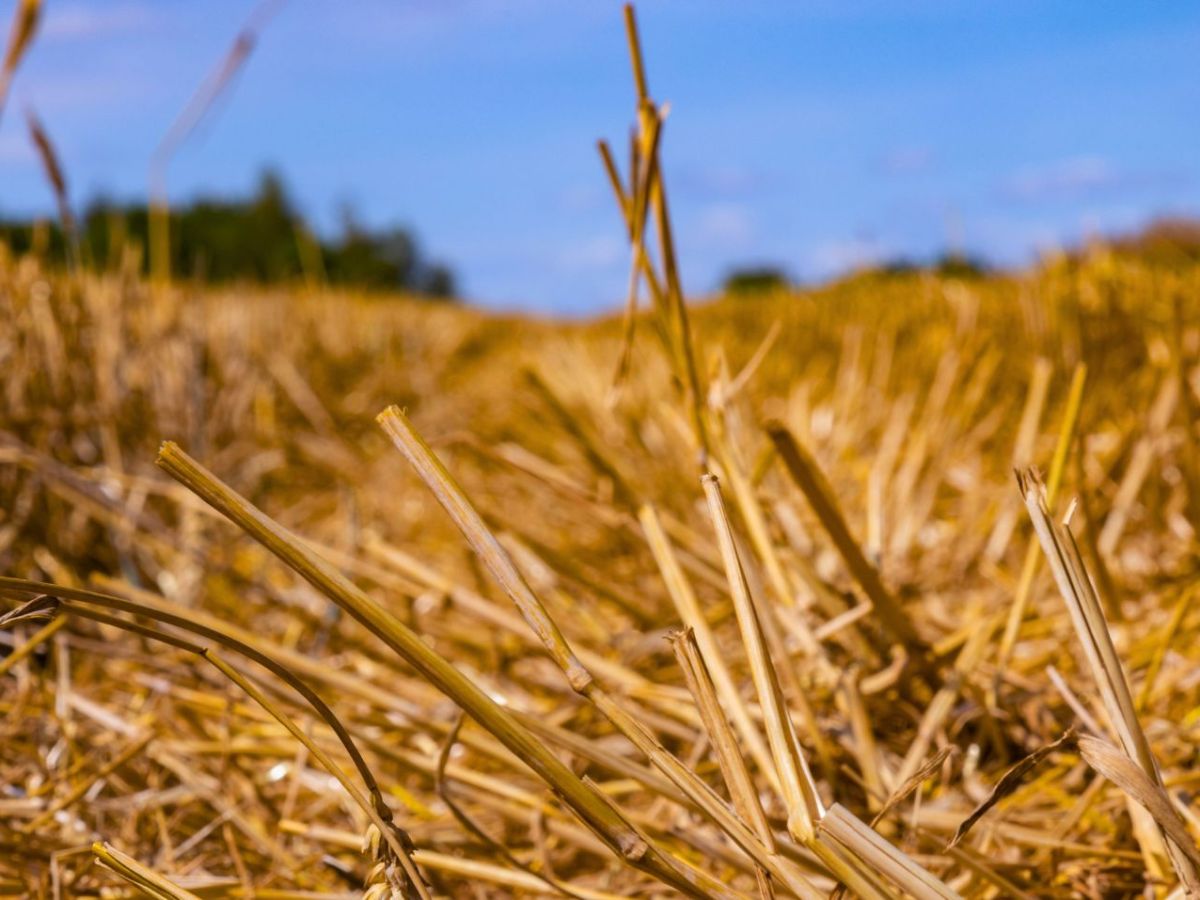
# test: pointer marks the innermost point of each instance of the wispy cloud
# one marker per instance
(87, 21)
(583, 198)
(725, 181)
(1079, 177)
(906, 160)
(592, 253)
(727, 225)
(840, 255)
(15, 149)
(97, 94)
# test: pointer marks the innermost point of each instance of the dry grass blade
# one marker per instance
(635, 206)
(74, 601)
(760, 537)
(1091, 628)
(399, 847)
(40, 607)
(904, 791)
(1115, 765)
(728, 392)
(472, 827)
(849, 855)
(1150, 677)
(817, 490)
(1009, 782)
(623, 493)
(669, 297)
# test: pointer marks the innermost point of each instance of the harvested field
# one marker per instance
(913, 397)
(881, 588)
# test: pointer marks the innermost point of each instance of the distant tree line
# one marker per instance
(768, 279)
(1172, 241)
(262, 239)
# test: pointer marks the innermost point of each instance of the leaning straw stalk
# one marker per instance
(452, 499)
(600, 815)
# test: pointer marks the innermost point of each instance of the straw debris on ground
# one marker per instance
(310, 594)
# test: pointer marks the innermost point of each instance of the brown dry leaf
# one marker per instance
(1122, 771)
(42, 606)
(1009, 782)
(918, 778)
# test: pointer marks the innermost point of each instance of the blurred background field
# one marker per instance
(848, 662)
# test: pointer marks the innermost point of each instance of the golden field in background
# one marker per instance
(912, 398)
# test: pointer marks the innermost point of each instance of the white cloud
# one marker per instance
(722, 181)
(15, 149)
(1086, 177)
(580, 198)
(841, 255)
(599, 252)
(725, 224)
(907, 160)
(69, 92)
(78, 21)
(1077, 175)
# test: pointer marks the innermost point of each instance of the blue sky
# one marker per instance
(814, 135)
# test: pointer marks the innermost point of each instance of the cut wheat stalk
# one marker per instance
(881, 855)
(1066, 434)
(1141, 458)
(760, 537)
(677, 323)
(32, 643)
(853, 855)
(1087, 616)
(142, 878)
(800, 794)
(693, 618)
(812, 482)
(1023, 449)
(440, 482)
(733, 768)
(754, 517)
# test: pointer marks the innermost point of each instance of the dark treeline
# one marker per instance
(262, 238)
